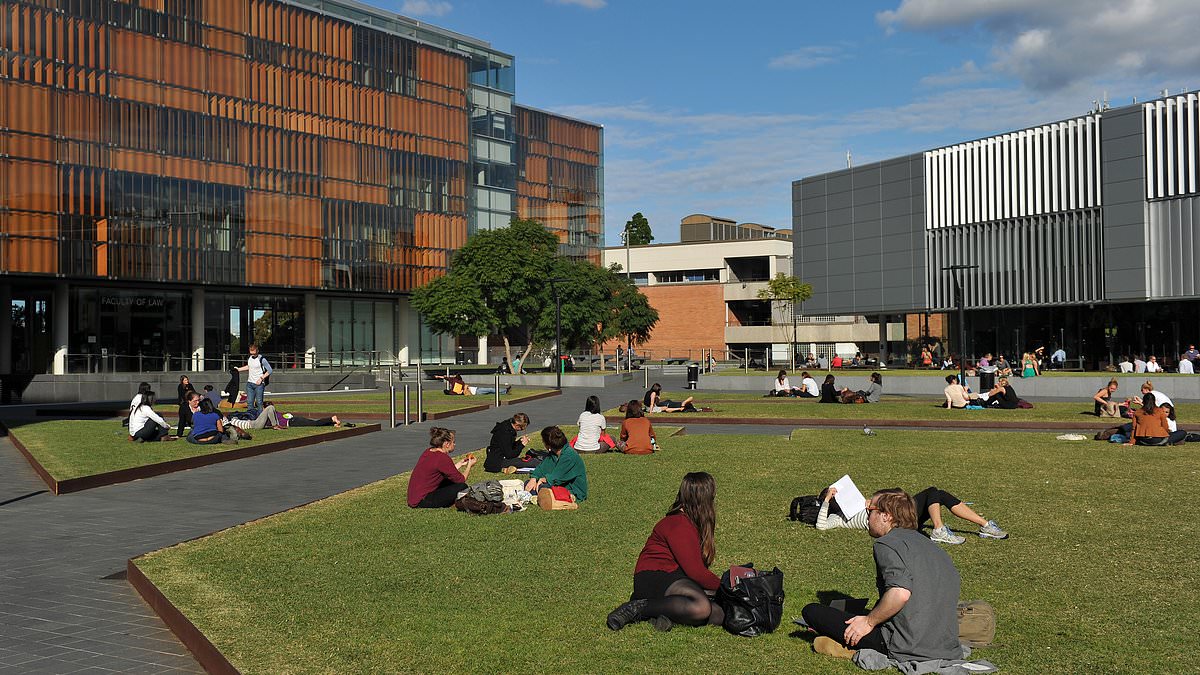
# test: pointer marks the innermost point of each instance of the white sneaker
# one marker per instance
(943, 535)
(992, 531)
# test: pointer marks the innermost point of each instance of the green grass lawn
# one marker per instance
(433, 400)
(1097, 577)
(926, 372)
(891, 408)
(75, 448)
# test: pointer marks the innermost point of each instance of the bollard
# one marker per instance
(392, 406)
(747, 355)
(406, 410)
(420, 402)
(646, 376)
(497, 390)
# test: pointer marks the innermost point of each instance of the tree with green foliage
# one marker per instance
(637, 230)
(633, 317)
(787, 291)
(597, 304)
(496, 284)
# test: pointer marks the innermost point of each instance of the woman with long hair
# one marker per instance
(145, 425)
(1150, 424)
(637, 433)
(672, 576)
(653, 402)
(829, 392)
(592, 436)
(436, 480)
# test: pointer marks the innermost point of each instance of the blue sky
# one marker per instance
(715, 107)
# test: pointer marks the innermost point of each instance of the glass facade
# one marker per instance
(561, 179)
(232, 142)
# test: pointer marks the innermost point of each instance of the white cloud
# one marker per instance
(805, 57)
(1051, 44)
(586, 4)
(425, 8)
(967, 73)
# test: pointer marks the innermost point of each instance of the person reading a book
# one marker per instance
(916, 617)
(929, 503)
(672, 581)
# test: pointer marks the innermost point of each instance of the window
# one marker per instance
(688, 276)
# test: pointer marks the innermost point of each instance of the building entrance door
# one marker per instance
(30, 316)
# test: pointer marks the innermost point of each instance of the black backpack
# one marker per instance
(805, 509)
(755, 605)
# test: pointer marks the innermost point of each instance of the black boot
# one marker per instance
(630, 612)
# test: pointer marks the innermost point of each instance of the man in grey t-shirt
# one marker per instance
(916, 617)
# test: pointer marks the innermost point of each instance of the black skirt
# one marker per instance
(653, 584)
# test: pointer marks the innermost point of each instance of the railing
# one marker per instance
(106, 362)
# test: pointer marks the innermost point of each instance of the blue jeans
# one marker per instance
(254, 395)
(483, 391)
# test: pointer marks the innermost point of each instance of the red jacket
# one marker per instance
(432, 469)
(674, 544)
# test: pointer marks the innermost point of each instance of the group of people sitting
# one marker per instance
(828, 391)
(915, 618)
(1151, 414)
(202, 416)
(960, 396)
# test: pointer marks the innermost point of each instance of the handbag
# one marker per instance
(753, 604)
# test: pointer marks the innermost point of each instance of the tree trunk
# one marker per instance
(508, 354)
(528, 346)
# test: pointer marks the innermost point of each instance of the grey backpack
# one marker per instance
(487, 491)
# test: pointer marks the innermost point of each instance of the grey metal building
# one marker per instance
(1079, 232)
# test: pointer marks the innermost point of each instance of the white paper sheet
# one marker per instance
(849, 499)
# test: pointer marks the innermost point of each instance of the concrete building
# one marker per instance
(706, 294)
(179, 179)
(1079, 232)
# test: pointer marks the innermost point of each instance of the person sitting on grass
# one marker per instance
(145, 425)
(1002, 396)
(871, 394)
(637, 433)
(209, 427)
(592, 436)
(957, 396)
(456, 386)
(436, 480)
(1105, 406)
(563, 467)
(916, 618)
(782, 387)
(1150, 423)
(672, 581)
(505, 447)
(654, 403)
(829, 392)
(929, 503)
(808, 386)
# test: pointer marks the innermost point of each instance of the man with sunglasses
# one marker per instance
(916, 616)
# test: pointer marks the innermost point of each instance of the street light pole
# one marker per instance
(558, 365)
(962, 325)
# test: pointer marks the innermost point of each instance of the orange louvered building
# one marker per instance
(179, 178)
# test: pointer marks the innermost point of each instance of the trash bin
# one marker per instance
(987, 380)
(693, 375)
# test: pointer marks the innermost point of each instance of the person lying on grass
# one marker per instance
(637, 433)
(145, 425)
(916, 617)
(456, 386)
(929, 503)
(209, 426)
(563, 467)
(654, 403)
(436, 480)
(672, 581)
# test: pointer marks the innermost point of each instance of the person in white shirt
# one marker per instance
(592, 435)
(1125, 366)
(809, 387)
(782, 387)
(1139, 366)
(145, 425)
(256, 379)
(1185, 366)
(1152, 365)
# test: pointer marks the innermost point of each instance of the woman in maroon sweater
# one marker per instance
(436, 479)
(672, 575)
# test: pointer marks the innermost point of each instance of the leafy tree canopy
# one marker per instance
(637, 229)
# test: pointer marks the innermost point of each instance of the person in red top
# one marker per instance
(436, 479)
(672, 576)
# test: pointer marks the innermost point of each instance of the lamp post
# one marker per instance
(962, 325)
(558, 367)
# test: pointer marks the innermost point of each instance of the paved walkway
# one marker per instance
(65, 606)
